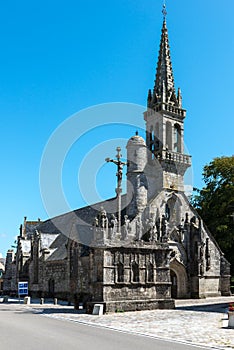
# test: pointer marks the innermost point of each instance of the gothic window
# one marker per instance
(35, 261)
(51, 287)
(152, 141)
(173, 210)
(74, 260)
(150, 272)
(120, 272)
(167, 212)
(99, 271)
(207, 255)
(156, 138)
(168, 136)
(135, 272)
(177, 138)
(84, 251)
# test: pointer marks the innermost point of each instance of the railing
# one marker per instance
(174, 156)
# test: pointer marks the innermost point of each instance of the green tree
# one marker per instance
(215, 203)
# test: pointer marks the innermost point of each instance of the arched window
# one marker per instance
(157, 142)
(120, 272)
(135, 272)
(173, 210)
(177, 138)
(152, 141)
(51, 287)
(74, 260)
(35, 256)
(150, 272)
(167, 212)
(169, 136)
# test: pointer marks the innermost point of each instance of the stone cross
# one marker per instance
(119, 175)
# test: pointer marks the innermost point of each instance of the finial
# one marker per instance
(118, 155)
(164, 10)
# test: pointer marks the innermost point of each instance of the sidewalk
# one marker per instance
(199, 322)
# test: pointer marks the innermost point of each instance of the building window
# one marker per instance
(207, 255)
(51, 287)
(177, 138)
(135, 272)
(168, 136)
(152, 142)
(167, 212)
(74, 260)
(150, 272)
(120, 272)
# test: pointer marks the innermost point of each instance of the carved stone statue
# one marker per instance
(95, 222)
(126, 227)
(157, 223)
(151, 230)
(164, 228)
(113, 226)
(164, 225)
(103, 219)
(138, 229)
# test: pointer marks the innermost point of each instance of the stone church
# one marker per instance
(140, 250)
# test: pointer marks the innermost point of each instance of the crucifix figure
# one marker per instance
(119, 175)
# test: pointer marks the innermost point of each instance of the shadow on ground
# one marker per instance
(62, 310)
(218, 308)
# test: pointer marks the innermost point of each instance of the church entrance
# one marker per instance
(179, 280)
(173, 285)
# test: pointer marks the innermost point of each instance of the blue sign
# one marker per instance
(22, 288)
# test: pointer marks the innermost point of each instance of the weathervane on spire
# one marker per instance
(164, 10)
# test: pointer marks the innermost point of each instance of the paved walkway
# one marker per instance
(199, 322)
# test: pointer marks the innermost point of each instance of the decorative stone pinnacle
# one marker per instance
(164, 10)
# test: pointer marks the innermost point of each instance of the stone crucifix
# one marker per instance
(119, 175)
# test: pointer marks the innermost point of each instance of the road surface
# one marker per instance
(23, 329)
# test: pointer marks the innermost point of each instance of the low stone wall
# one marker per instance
(133, 305)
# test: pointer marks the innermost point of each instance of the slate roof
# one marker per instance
(47, 239)
(58, 248)
(25, 246)
(77, 224)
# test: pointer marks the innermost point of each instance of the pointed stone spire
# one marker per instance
(164, 92)
(164, 73)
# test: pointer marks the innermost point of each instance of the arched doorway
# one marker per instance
(179, 280)
(173, 284)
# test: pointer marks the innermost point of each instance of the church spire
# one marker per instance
(164, 92)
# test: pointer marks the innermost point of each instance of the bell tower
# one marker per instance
(164, 119)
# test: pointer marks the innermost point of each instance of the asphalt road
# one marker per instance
(22, 329)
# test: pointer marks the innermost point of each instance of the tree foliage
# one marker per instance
(215, 203)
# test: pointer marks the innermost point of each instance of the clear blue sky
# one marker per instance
(59, 57)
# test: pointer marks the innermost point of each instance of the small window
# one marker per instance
(167, 212)
(150, 272)
(177, 138)
(120, 273)
(135, 272)
(168, 136)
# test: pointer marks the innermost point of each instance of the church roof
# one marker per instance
(136, 139)
(58, 249)
(47, 239)
(25, 245)
(77, 224)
